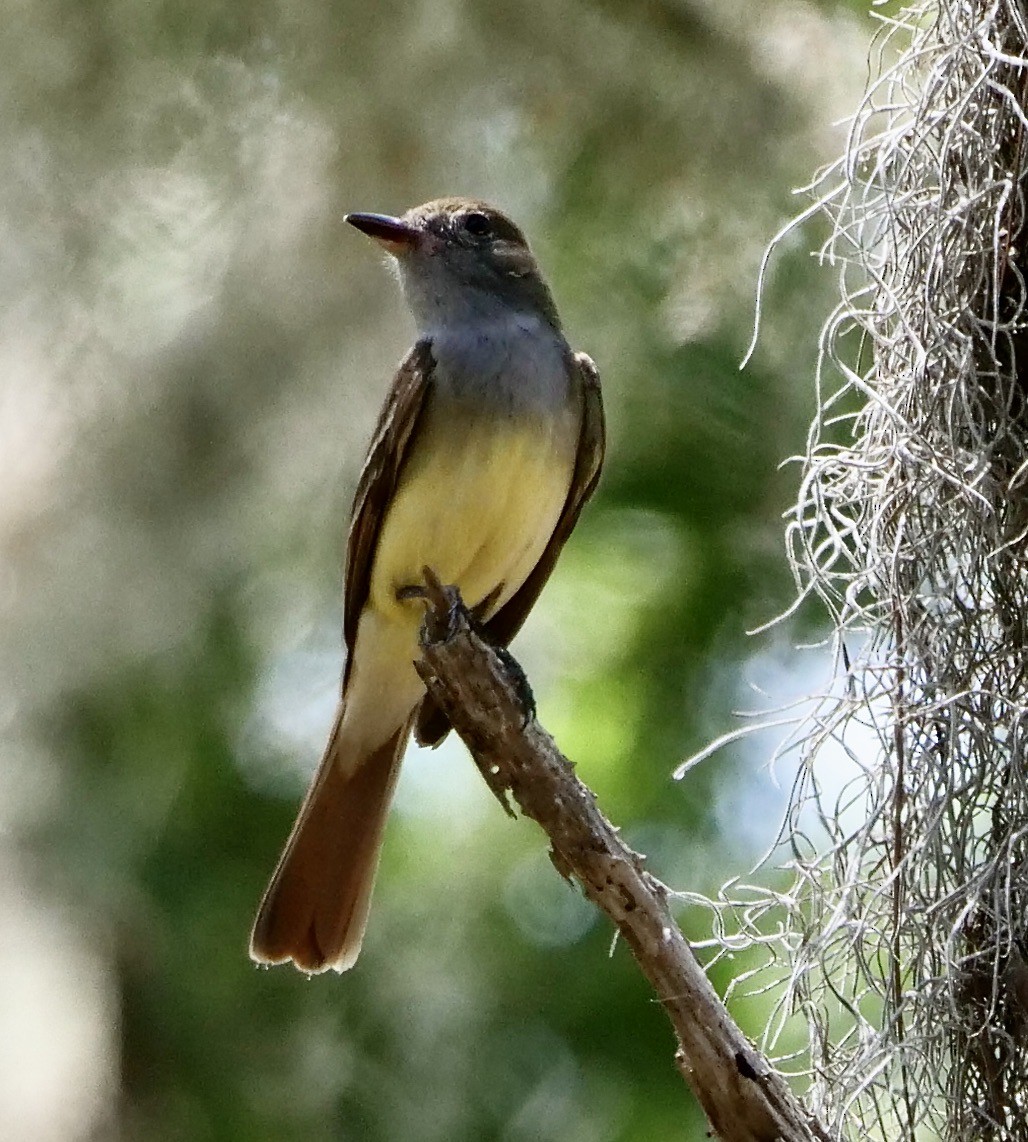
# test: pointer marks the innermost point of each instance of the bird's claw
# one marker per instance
(519, 680)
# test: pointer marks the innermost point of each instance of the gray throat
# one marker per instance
(515, 364)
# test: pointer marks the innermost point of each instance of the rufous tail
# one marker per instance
(315, 909)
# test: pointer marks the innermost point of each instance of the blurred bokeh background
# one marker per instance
(193, 351)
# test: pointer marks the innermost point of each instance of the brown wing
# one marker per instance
(378, 480)
(432, 725)
(507, 621)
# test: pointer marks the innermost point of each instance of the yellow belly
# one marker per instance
(478, 505)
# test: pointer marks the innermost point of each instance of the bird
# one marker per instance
(490, 441)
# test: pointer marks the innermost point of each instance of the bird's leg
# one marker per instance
(519, 680)
(443, 605)
(435, 594)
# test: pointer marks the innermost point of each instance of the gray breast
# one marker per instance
(516, 366)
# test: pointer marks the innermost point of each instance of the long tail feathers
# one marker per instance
(315, 909)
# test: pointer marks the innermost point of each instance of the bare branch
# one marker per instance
(744, 1098)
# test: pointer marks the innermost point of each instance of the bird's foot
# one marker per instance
(519, 680)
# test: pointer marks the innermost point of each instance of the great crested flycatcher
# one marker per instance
(490, 442)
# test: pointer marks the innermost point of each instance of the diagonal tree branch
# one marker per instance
(482, 692)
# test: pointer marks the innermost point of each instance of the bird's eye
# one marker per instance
(477, 224)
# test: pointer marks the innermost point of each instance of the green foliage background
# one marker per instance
(194, 348)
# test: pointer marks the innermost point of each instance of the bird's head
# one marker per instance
(459, 258)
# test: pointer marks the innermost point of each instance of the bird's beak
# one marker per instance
(397, 236)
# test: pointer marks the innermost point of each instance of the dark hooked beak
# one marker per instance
(397, 236)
